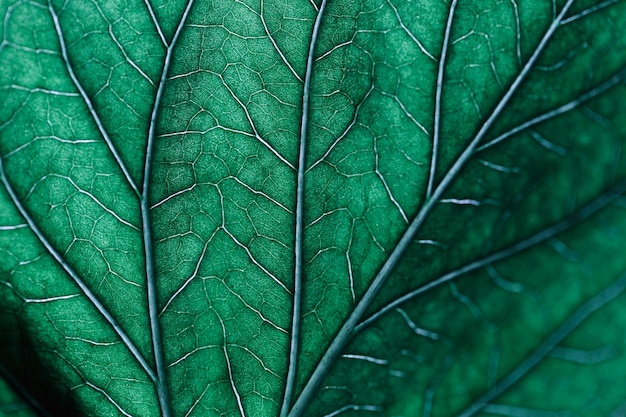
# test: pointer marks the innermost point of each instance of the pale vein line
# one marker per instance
(13, 227)
(128, 58)
(347, 129)
(56, 138)
(174, 195)
(87, 100)
(204, 132)
(461, 202)
(157, 345)
(259, 313)
(75, 277)
(237, 180)
(514, 287)
(415, 328)
(251, 122)
(349, 263)
(571, 105)
(334, 48)
(547, 346)
(108, 397)
(405, 111)
(197, 401)
(438, 94)
(472, 307)
(366, 358)
(232, 383)
(346, 331)
(297, 292)
(120, 47)
(385, 185)
(91, 342)
(230, 372)
(276, 47)
(191, 353)
(192, 277)
(596, 205)
(354, 407)
(547, 144)
(518, 33)
(409, 33)
(499, 168)
(157, 26)
(86, 193)
(258, 359)
(254, 261)
(590, 10)
(256, 192)
(39, 90)
(50, 299)
(586, 357)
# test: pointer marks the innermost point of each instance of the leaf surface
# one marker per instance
(314, 208)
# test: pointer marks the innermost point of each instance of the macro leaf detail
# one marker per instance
(312, 207)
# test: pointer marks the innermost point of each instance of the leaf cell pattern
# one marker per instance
(335, 207)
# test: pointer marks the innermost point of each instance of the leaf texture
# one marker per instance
(320, 208)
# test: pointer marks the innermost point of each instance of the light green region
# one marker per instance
(462, 221)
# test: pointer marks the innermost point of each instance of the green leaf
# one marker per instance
(11, 403)
(320, 208)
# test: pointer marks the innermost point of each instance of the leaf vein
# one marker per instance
(299, 223)
(157, 345)
(75, 277)
(87, 100)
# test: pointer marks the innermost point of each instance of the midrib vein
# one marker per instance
(299, 227)
(157, 345)
(347, 330)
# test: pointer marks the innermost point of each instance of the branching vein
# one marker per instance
(346, 331)
(87, 100)
(549, 232)
(571, 105)
(75, 277)
(161, 383)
